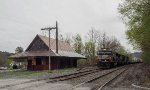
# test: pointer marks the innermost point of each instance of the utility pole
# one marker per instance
(49, 29)
(56, 37)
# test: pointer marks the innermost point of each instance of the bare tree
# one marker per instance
(110, 43)
(68, 38)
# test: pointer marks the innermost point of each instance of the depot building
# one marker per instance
(62, 55)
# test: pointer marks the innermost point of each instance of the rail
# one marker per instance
(93, 79)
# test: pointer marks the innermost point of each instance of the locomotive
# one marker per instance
(108, 59)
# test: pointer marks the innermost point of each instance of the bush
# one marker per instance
(83, 63)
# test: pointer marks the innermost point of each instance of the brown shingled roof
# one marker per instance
(64, 49)
(62, 46)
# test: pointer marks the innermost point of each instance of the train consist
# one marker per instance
(108, 59)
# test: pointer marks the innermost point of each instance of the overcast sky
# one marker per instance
(21, 20)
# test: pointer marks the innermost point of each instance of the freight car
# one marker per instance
(108, 59)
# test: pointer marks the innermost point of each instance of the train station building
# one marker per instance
(37, 54)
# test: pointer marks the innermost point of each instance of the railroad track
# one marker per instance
(64, 77)
(106, 83)
(68, 77)
(55, 79)
(100, 87)
(71, 76)
(61, 78)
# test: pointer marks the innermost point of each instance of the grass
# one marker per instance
(26, 73)
(20, 73)
(147, 82)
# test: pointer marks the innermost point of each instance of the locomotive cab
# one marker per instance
(105, 59)
(108, 59)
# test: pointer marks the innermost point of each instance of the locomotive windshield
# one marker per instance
(104, 54)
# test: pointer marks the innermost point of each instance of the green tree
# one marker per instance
(136, 14)
(121, 50)
(4, 57)
(2, 62)
(77, 43)
(88, 52)
(91, 45)
(18, 50)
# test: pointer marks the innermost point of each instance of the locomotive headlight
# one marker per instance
(107, 60)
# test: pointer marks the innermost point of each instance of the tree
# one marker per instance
(68, 38)
(113, 44)
(91, 44)
(77, 43)
(18, 50)
(136, 14)
(89, 47)
(2, 61)
(60, 37)
(121, 50)
(4, 58)
(110, 43)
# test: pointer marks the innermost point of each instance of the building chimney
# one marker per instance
(56, 37)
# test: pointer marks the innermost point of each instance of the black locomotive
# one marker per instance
(108, 59)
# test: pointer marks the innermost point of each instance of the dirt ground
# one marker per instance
(138, 74)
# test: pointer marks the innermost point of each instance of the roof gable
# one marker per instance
(37, 45)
